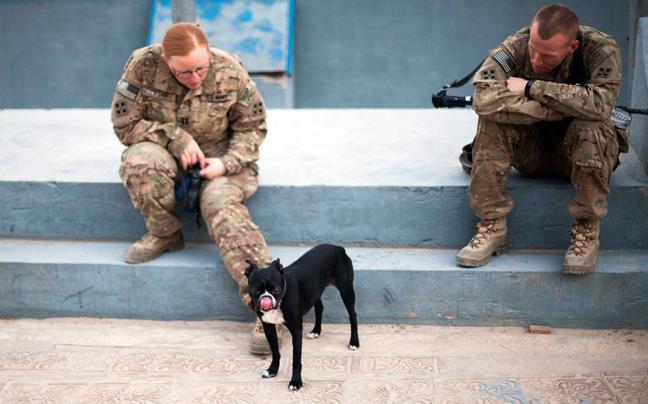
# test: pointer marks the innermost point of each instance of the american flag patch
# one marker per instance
(504, 60)
(127, 89)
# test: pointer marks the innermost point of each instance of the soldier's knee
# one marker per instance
(592, 144)
(148, 171)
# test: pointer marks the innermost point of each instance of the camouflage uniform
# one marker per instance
(561, 129)
(156, 117)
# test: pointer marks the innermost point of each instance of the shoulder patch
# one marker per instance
(248, 92)
(504, 60)
(127, 89)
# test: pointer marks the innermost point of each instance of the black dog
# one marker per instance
(285, 296)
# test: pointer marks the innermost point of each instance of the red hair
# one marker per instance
(182, 38)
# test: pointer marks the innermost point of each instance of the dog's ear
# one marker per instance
(251, 267)
(279, 266)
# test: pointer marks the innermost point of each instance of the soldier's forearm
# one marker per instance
(588, 102)
(497, 103)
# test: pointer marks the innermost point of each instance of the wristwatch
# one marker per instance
(528, 87)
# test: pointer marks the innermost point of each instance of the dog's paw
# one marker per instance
(312, 335)
(268, 374)
(354, 347)
(295, 385)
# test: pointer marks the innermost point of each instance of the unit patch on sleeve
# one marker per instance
(504, 60)
(248, 92)
(127, 89)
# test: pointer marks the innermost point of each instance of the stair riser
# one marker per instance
(428, 217)
(456, 297)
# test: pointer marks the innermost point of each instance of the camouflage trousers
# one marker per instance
(584, 151)
(150, 173)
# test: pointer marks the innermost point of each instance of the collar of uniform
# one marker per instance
(165, 80)
(209, 83)
(564, 70)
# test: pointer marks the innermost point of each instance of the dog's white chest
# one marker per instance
(273, 317)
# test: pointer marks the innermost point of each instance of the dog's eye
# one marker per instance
(255, 291)
(276, 290)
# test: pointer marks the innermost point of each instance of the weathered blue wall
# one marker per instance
(639, 125)
(69, 53)
(348, 53)
(395, 53)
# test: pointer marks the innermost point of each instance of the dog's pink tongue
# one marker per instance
(266, 303)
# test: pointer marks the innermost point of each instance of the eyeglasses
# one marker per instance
(185, 75)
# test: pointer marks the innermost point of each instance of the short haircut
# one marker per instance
(556, 19)
(183, 38)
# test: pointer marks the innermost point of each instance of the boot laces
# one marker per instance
(484, 228)
(581, 235)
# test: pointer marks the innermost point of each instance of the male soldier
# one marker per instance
(184, 102)
(544, 98)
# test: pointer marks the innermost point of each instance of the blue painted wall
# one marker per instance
(395, 53)
(347, 53)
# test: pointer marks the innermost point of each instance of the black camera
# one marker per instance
(190, 189)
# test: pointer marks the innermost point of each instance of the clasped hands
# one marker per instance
(209, 167)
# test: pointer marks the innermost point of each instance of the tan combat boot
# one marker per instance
(258, 341)
(583, 252)
(491, 238)
(151, 246)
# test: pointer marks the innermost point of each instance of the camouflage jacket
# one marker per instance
(225, 115)
(551, 98)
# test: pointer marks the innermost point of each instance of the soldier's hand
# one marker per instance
(192, 155)
(516, 84)
(214, 167)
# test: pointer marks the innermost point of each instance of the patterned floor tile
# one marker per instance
(186, 363)
(313, 392)
(503, 391)
(58, 361)
(630, 390)
(331, 364)
(133, 363)
(28, 393)
(387, 391)
(125, 393)
(591, 390)
(409, 366)
(210, 393)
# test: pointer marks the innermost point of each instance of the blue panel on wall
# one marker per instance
(258, 31)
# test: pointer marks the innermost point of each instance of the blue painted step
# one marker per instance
(353, 177)
(44, 279)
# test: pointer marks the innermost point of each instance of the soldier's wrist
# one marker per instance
(179, 143)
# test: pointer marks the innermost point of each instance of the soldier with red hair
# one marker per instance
(182, 103)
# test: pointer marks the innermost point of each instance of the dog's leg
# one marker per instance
(270, 331)
(296, 331)
(348, 297)
(344, 283)
(317, 330)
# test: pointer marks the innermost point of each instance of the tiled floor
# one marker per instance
(104, 362)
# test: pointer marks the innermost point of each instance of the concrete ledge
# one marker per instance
(53, 279)
(352, 177)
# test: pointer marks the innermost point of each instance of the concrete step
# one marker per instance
(407, 286)
(352, 177)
